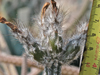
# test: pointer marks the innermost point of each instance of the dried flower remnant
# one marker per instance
(54, 7)
(50, 48)
(44, 9)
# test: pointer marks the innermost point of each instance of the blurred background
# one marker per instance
(13, 60)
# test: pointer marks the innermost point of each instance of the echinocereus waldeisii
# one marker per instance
(50, 49)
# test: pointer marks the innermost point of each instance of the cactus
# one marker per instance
(51, 48)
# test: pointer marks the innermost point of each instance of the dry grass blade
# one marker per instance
(13, 27)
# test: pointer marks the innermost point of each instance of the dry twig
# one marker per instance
(24, 65)
(16, 60)
(1, 72)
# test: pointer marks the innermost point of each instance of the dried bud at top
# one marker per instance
(45, 6)
(54, 7)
